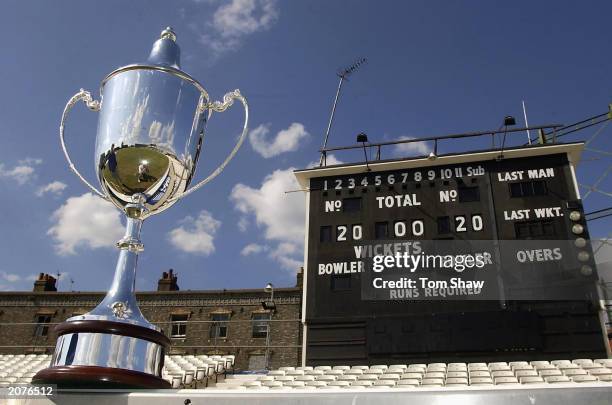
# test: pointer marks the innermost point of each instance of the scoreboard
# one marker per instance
(516, 214)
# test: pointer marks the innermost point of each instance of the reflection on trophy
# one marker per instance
(150, 132)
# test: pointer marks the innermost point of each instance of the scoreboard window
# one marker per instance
(381, 230)
(351, 204)
(468, 193)
(528, 189)
(444, 225)
(326, 234)
(340, 282)
(534, 229)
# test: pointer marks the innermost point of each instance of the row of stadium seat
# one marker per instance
(430, 375)
(196, 371)
(190, 370)
(20, 368)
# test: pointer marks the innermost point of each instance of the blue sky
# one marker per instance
(434, 67)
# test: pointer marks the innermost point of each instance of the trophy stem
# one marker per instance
(113, 346)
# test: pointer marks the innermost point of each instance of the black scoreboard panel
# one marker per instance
(518, 198)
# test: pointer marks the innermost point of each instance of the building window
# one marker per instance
(179, 326)
(218, 329)
(42, 327)
(534, 229)
(528, 189)
(381, 230)
(260, 324)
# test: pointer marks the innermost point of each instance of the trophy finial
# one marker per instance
(165, 50)
(168, 33)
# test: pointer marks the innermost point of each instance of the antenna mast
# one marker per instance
(342, 74)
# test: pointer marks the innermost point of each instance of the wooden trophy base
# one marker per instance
(75, 367)
(94, 377)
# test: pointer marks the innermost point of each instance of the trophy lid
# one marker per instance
(165, 51)
(165, 56)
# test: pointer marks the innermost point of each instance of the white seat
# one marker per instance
(284, 378)
(359, 368)
(276, 372)
(338, 384)
(584, 378)
(531, 380)
(305, 368)
(408, 382)
(315, 383)
(368, 377)
(604, 362)
(456, 374)
(480, 374)
(305, 378)
(434, 374)
(379, 366)
(347, 378)
(550, 372)
(559, 362)
(481, 381)
(581, 362)
(457, 381)
(286, 368)
(343, 368)
(556, 379)
(294, 384)
(599, 371)
(574, 371)
(505, 380)
(326, 378)
(361, 383)
(383, 383)
(526, 373)
(323, 368)
(271, 384)
(439, 382)
(412, 376)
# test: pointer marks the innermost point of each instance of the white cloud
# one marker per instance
(23, 172)
(253, 248)
(11, 278)
(280, 215)
(85, 221)
(196, 235)
(411, 148)
(29, 161)
(243, 224)
(56, 187)
(288, 254)
(233, 21)
(287, 140)
(20, 173)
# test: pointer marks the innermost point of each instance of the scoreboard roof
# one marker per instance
(573, 150)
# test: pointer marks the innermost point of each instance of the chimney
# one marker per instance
(168, 281)
(45, 282)
(300, 278)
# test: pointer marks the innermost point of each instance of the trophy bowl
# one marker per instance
(149, 137)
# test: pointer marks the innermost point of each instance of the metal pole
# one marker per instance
(526, 124)
(331, 117)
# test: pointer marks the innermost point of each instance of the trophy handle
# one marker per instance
(218, 106)
(93, 105)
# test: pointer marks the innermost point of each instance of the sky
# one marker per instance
(434, 67)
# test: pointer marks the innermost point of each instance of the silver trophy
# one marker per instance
(150, 133)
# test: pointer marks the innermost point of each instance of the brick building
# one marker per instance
(198, 322)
